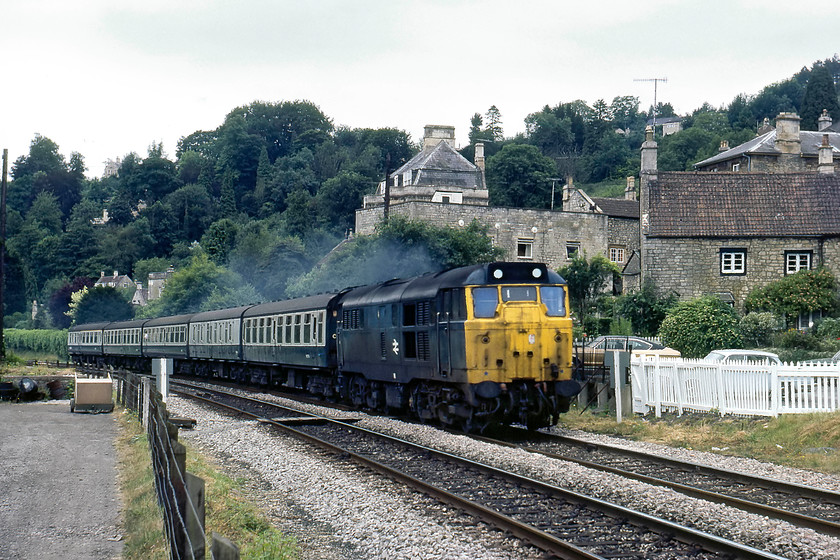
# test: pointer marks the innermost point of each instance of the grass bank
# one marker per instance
(227, 511)
(808, 441)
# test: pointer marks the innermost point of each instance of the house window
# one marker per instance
(733, 261)
(525, 248)
(572, 248)
(736, 167)
(796, 261)
(617, 254)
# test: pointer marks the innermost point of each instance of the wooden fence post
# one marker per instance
(194, 516)
(223, 549)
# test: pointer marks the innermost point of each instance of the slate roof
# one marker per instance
(618, 207)
(765, 144)
(442, 165)
(698, 204)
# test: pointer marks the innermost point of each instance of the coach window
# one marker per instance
(485, 301)
(297, 329)
(307, 328)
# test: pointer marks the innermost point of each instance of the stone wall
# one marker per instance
(549, 231)
(691, 267)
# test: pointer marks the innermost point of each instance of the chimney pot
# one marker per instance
(824, 121)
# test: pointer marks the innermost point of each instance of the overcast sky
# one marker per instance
(105, 77)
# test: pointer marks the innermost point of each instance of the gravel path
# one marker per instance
(361, 516)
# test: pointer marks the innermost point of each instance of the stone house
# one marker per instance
(156, 283)
(783, 149)
(116, 280)
(441, 187)
(726, 233)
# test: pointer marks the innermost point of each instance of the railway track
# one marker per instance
(806, 506)
(565, 524)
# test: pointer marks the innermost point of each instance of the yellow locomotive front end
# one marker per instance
(518, 349)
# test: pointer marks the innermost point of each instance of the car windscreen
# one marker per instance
(485, 301)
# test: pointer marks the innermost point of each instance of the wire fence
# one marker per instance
(180, 493)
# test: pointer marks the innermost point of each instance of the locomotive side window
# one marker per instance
(409, 314)
(485, 301)
(519, 293)
(554, 299)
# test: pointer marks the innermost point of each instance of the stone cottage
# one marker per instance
(726, 233)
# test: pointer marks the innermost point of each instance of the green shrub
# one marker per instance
(757, 328)
(793, 338)
(701, 325)
(829, 328)
(620, 325)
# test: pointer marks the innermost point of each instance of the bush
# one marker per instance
(757, 328)
(699, 326)
(793, 338)
(829, 328)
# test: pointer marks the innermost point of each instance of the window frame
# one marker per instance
(728, 258)
(525, 249)
(809, 255)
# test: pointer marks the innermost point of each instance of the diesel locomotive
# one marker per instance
(469, 347)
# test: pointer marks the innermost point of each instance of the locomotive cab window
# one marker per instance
(519, 293)
(485, 301)
(554, 299)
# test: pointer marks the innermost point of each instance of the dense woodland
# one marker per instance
(247, 212)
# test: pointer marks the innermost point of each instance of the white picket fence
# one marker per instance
(678, 385)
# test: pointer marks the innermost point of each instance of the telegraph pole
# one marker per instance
(3, 185)
(655, 84)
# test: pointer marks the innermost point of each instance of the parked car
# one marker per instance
(593, 352)
(735, 356)
(835, 359)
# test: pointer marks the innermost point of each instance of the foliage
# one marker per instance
(820, 95)
(59, 303)
(51, 342)
(189, 289)
(758, 327)
(102, 303)
(645, 309)
(829, 328)
(699, 326)
(586, 279)
(795, 294)
(519, 175)
(794, 338)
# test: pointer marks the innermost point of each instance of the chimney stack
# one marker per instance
(433, 135)
(724, 146)
(826, 157)
(479, 155)
(630, 189)
(787, 133)
(824, 121)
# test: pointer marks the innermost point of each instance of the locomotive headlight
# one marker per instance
(557, 337)
(536, 273)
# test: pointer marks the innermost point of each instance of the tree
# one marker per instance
(219, 239)
(59, 302)
(796, 294)
(586, 279)
(494, 124)
(102, 304)
(697, 327)
(519, 175)
(820, 94)
(339, 197)
(189, 288)
(476, 133)
(645, 308)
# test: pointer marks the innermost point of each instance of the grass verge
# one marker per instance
(228, 512)
(808, 441)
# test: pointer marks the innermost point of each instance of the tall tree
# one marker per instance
(494, 129)
(820, 94)
(519, 175)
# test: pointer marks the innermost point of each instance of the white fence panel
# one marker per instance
(745, 389)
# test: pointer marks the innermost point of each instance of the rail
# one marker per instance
(180, 493)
